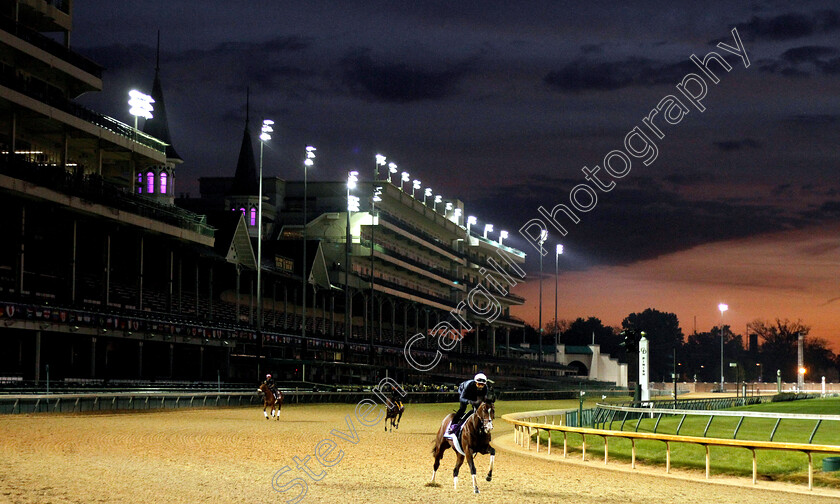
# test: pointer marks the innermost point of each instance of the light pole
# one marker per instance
(557, 255)
(374, 197)
(502, 235)
(722, 307)
(141, 106)
(352, 205)
(307, 162)
(392, 169)
(438, 199)
(265, 136)
(404, 177)
(426, 194)
(470, 221)
(543, 238)
(415, 185)
(488, 228)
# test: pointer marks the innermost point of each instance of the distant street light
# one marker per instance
(722, 307)
(543, 238)
(557, 255)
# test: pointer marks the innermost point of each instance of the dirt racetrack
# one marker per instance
(231, 455)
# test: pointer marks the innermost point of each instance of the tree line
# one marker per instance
(768, 347)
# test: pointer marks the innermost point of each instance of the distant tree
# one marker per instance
(664, 335)
(582, 332)
(777, 347)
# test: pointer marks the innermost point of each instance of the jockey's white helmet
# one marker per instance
(480, 378)
(267, 376)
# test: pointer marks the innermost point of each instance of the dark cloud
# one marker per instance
(642, 219)
(734, 145)
(808, 53)
(398, 82)
(789, 26)
(685, 179)
(586, 75)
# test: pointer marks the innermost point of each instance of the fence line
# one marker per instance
(527, 425)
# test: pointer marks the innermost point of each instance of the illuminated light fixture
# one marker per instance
(380, 161)
(392, 168)
(353, 203)
(405, 177)
(426, 194)
(377, 194)
(470, 221)
(310, 155)
(559, 249)
(502, 235)
(141, 105)
(543, 236)
(352, 178)
(438, 199)
(415, 185)
(487, 229)
(265, 132)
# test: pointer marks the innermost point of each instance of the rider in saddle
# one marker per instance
(395, 398)
(472, 392)
(269, 382)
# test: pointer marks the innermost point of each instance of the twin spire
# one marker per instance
(158, 126)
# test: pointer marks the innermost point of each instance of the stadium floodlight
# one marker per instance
(487, 229)
(266, 130)
(502, 235)
(415, 185)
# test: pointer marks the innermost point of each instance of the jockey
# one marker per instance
(472, 392)
(395, 397)
(269, 382)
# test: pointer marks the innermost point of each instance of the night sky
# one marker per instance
(501, 104)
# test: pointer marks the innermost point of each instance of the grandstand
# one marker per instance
(106, 276)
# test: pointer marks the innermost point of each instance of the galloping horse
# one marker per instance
(474, 438)
(395, 412)
(270, 401)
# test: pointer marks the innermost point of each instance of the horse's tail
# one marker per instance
(441, 431)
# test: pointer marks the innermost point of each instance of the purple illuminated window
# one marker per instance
(163, 182)
(243, 212)
(139, 183)
(150, 183)
(253, 216)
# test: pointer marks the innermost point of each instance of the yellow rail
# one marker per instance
(526, 426)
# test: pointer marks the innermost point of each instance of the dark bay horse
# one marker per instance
(270, 401)
(394, 413)
(474, 438)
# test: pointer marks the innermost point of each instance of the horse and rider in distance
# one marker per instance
(394, 409)
(470, 435)
(272, 397)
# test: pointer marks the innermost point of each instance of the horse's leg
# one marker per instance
(440, 447)
(470, 456)
(264, 413)
(398, 420)
(492, 457)
(458, 462)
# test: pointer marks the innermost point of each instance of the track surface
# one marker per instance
(230, 455)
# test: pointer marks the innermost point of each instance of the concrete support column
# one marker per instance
(171, 359)
(73, 263)
(492, 340)
(93, 357)
(21, 252)
(171, 278)
(141, 272)
(238, 284)
(201, 363)
(210, 293)
(507, 341)
(140, 359)
(332, 315)
(107, 276)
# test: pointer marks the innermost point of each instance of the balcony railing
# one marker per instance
(94, 188)
(51, 46)
(51, 96)
(405, 226)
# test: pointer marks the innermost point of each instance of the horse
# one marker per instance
(474, 438)
(270, 401)
(394, 413)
